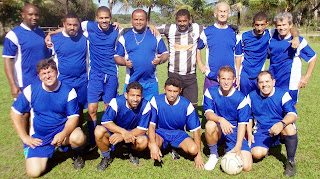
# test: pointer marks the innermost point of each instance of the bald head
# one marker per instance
(140, 11)
(222, 13)
(30, 16)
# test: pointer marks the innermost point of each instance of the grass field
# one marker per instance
(307, 157)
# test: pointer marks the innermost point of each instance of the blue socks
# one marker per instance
(106, 154)
(91, 126)
(213, 149)
(291, 143)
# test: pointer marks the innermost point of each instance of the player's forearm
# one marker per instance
(199, 59)
(112, 127)
(240, 135)
(152, 133)
(289, 119)
(120, 60)
(211, 116)
(8, 68)
(197, 139)
(137, 132)
(311, 66)
(249, 127)
(18, 124)
(294, 32)
(55, 32)
(164, 57)
(71, 125)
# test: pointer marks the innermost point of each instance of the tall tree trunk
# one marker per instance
(149, 13)
(238, 22)
(67, 6)
(110, 5)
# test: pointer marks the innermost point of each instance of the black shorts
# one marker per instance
(189, 86)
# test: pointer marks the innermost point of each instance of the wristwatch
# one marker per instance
(284, 124)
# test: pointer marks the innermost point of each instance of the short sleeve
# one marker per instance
(193, 121)
(244, 112)
(154, 111)
(145, 117)
(202, 40)
(23, 102)
(111, 112)
(288, 104)
(208, 102)
(161, 46)
(306, 51)
(72, 104)
(120, 47)
(10, 46)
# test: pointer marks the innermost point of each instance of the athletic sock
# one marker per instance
(106, 154)
(213, 149)
(78, 150)
(91, 126)
(291, 143)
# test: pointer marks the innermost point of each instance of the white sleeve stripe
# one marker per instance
(15, 111)
(142, 128)
(285, 98)
(7, 56)
(243, 122)
(249, 100)
(113, 104)
(190, 109)
(122, 41)
(243, 103)
(195, 129)
(72, 95)
(207, 94)
(154, 103)
(293, 113)
(208, 110)
(146, 109)
(73, 115)
(13, 38)
(27, 93)
(311, 59)
(106, 122)
(153, 123)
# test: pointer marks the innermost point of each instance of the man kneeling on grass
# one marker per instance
(56, 115)
(124, 122)
(170, 114)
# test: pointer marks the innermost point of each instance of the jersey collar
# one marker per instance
(217, 26)
(137, 32)
(272, 92)
(175, 103)
(286, 37)
(26, 27)
(59, 84)
(66, 35)
(230, 93)
(252, 31)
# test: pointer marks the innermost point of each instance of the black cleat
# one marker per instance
(78, 163)
(133, 159)
(104, 163)
(290, 169)
(175, 155)
(157, 163)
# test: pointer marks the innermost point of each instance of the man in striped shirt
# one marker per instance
(182, 40)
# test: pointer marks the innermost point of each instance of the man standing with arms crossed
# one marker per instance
(141, 46)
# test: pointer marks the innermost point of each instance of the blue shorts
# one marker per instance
(45, 151)
(101, 85)
(262, 139)
(294, 95)
(82, 96)
(149, 90)
(247, 85)
(231, 140)
(172, 137)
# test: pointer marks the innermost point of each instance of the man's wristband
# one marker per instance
(284, 124)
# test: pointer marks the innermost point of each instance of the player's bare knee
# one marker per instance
(211, 127)
(77, 137)
(258, 153)
(247, 166)
(141, 142)
(99, 132)
(34, 171)
(289, 130)
(193, 149)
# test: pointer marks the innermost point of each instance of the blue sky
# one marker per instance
(117, 6)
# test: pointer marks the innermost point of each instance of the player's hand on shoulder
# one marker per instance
(129, 63)
(48, 41)
(155, 152)
(58, 139)
(276, 128)
(226, 126)
(117, 25)
(154, 30)
(198, 161)
(295, 42)
(32, 142)
(115, 138)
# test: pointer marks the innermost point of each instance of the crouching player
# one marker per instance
(275, 114)
(228, 113)
(125, 122)
(56, 114)
(170, 114)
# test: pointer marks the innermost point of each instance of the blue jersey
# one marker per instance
(220, 48)
(49, 110)
(27, 48)
(255, 50)
(119, 112)
(101, 47)
(270, 110)
(285, 62)
(173, 117)
(141, 54)
(234, 107)
(71, 53)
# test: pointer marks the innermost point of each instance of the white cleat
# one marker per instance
(212, 162)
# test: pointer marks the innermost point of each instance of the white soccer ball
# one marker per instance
(231, 163)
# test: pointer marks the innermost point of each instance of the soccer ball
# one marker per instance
(231, 163)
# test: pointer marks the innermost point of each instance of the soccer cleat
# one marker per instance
(212, 162)
(133, 159)
(290, 169)
(175, 155)
(105, 162)
(78, 163)
(90, 147)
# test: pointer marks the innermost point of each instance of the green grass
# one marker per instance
(307, 157)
